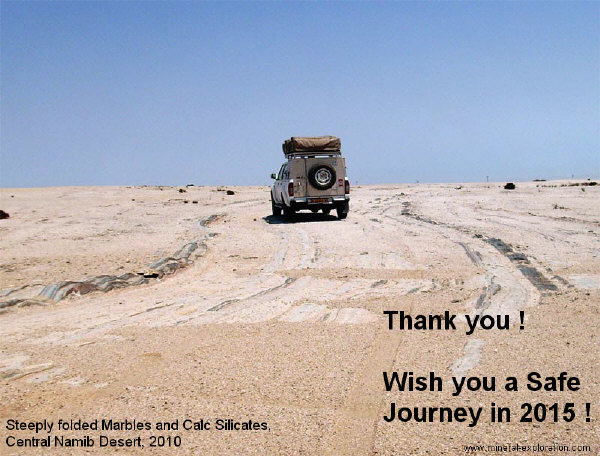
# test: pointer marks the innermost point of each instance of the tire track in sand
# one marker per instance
(357, 420)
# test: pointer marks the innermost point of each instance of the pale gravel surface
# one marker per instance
(282, 322)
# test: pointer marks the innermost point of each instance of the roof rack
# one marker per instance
(312, 154)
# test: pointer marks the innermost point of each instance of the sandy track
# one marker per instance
(283, 321)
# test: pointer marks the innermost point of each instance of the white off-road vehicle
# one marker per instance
(313, 177)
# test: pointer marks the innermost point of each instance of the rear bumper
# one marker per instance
(308, 203)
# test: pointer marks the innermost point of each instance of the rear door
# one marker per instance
(335, 164)
(297, 172)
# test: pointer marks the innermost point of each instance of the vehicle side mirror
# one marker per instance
(273, 176)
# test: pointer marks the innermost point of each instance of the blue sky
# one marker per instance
(107, 93)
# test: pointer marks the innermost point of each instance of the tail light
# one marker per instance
(291, 189)
(347, 187)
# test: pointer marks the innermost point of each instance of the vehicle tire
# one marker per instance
(288, 212)
(275, 209)
(342, 211)
(322, 177)
(326, 210)
(314, 211)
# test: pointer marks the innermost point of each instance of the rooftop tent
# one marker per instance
(299, 144)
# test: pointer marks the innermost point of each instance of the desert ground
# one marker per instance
(165, 303)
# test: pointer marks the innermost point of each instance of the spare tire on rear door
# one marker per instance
(321, 177)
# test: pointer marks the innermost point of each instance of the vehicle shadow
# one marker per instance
(300, 217)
